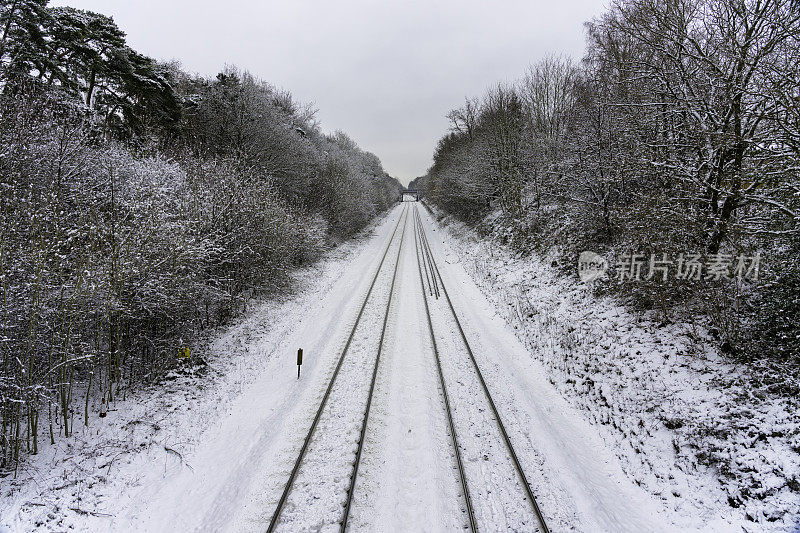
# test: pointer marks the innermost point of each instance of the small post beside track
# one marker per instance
(299, 361)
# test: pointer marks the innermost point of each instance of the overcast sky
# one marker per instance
(385, 72)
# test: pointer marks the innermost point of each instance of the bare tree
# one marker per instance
(707, 68)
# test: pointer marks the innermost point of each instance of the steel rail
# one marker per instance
(426, 245)
(425, 248)
(362, 435)
(424, 263)
(454, 437)
(512, 453)
(287, 488)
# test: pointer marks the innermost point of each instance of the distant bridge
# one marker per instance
(410, 192)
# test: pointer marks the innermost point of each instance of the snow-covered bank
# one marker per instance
(153, 441)
(685, 424)
(608, 414)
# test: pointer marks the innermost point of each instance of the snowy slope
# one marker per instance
(577, 480)
(678, 419)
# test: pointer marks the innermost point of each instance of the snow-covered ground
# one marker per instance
(407, 480)
(183, 453)
(578, 482)
(682, 423)
(210, 450)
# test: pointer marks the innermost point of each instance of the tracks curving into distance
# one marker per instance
(312, 432)
(425, 256)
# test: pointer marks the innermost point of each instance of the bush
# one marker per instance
(115, 257)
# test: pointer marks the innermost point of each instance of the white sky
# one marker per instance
(384, 71)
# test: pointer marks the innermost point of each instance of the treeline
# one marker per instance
(140, 205)
(677, 138)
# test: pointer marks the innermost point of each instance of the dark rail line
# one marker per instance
(427, 258)
(501, 426)
(453, 436)
(287, 489)
(371, 388)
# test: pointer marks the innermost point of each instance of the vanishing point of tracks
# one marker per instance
(344, 419)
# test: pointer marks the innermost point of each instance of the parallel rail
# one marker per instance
(362, 435)
(473, 526)
(309, 436)
(435, 286)
(517, 466)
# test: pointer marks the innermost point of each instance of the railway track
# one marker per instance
(490, 473)
(336, 423)
(321, 485)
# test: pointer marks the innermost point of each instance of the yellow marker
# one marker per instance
(185, 353)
